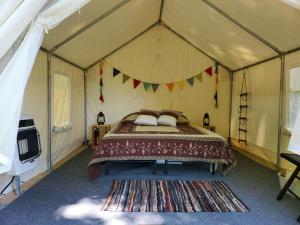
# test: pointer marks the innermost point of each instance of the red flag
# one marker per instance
(209, 71)
(101, 98)
(136, 83)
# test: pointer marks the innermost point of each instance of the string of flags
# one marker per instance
(101, 98)
(169, 85)
(217, 84)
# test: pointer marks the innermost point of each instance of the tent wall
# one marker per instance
(35, 103)
(64, 142)
(263, 86)
(158, 56)
(263, 114)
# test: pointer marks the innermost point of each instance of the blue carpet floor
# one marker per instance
(67, 197)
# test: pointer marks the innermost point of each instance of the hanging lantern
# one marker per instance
(206, 121)
(101, 118)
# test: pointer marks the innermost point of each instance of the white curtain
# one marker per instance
(14, 76)
(293, 3)
(294, 144)
(14, 24)
(61, 102)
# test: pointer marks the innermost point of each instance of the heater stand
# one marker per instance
(17, 185)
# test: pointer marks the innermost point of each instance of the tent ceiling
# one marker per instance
(194, 20)
(111, 32)
(275, 21)
(213, 33)
(77, 21)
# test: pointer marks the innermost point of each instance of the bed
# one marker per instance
(185, 142)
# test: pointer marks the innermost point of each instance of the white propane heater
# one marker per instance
(27, 150)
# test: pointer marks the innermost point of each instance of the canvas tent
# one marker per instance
(171, 39)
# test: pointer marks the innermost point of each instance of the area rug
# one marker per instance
(172, 196)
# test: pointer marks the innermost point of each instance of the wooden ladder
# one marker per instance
(243, 111)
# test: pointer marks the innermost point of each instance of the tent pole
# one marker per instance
(121, 46)
(268, 59)
(49, 105)
(230, 107)
(282, 70)
(237, 23)
(89, 25)
(257, 63)
(85, 142)
(61, 58)
(194, 46)
(161, 9)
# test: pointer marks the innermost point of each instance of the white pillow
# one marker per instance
(146, 120)
(167, 120)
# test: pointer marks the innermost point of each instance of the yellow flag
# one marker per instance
(199, 77)
(180, 84)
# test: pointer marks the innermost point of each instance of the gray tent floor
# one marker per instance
(67, 197)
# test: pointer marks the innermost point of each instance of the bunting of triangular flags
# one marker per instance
(115, 72)
(125, 78)
(217, 84)
(101, 98)
(136, 83)
(170, 86)
(146, 86)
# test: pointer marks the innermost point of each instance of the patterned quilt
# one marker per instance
(128, 141)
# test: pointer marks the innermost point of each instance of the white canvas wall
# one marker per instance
(64, 142)
(264, 86)
(35, 103)
(176, 61)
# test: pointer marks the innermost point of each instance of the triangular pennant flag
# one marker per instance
(136, 83)
(199, 77)
(125, 78)
(170, 86)
(190, 81)
(115, 72)
(180, 84)
(154, 87)
(146, 85)
(209, 71)
(216, 99)
(101, 98)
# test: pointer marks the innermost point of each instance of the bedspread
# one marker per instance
(189, 143)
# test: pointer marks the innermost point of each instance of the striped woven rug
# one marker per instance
(172, 196)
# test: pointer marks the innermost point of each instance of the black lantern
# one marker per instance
(206, 121)
(101, 118)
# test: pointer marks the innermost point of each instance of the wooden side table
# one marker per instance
(99, 131)
(211, 128)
